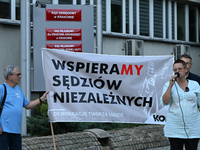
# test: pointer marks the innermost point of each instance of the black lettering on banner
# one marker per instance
(90, 80)
(58, 63)
(82, 97)
(94, 68)
(116, 86)
(67, 97)
(87, 67)
(99, 83)
(70, 66)
(74, 81)
(105, 98)
(136, 101)
(114, 69)
(85, 97)
(112, 98)
(158, 118)
(147, 101)
(60, 98)
(91, 98)
(79, 66)
(74, 97)
(55, 78)
(84, 82)
(103, 68)
(65, 80)
(130, 99)
(98, 99)
(120, 100)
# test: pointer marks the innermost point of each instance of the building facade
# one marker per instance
(130, 27)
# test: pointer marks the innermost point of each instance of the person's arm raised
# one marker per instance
(37, 101)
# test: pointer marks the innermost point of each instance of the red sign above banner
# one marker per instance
(63, 14)
(63, 34)
(68, 47)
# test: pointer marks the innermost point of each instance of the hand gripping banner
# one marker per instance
(105, 88)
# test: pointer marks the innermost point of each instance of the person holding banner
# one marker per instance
(183, 117)
(11, 116)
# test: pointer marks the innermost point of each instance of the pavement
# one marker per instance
(168, 148)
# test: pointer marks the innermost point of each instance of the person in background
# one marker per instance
(188, 60)
(183, 118)
(11, 116)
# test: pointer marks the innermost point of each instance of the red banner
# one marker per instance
(68, 47)
(63, 34)
(63, 14)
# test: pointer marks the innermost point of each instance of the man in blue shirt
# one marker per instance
(188, 60)
(11, 116)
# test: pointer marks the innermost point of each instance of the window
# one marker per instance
(144, 17)
(95, 13)
(5, 9)
(46, 1)
(65, 2)
(166, 18)
(173, 34)
(180, 21)
(116, 16)
(17, 9)
(103, 2)
(87, 2)
(127, 16)
(199, 23)
(158, 19)
(78, 2)
(192, 23)
(134, 17)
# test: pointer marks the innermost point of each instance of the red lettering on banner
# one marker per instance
(130, 69)
(127, 70)
(138, 69)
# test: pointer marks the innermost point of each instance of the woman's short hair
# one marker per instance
(9, 70)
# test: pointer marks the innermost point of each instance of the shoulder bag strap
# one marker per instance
(4, 98)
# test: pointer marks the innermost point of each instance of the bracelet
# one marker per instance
(40, 100)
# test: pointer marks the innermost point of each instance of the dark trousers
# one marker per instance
(177, 144)
(11, 141)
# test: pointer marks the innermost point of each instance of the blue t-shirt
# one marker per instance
(11, 117)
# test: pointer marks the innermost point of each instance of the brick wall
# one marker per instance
(136, 138)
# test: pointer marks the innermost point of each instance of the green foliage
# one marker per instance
(40, 126)
(43, 108)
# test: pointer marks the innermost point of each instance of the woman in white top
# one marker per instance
(183, 118)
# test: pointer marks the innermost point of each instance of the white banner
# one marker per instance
(105, 88)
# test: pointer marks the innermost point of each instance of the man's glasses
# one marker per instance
(179, 69)
(19, 74)
(187, 63)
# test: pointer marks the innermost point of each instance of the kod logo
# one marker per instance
(159, 118)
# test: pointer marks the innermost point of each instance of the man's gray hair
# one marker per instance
(9, 70)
